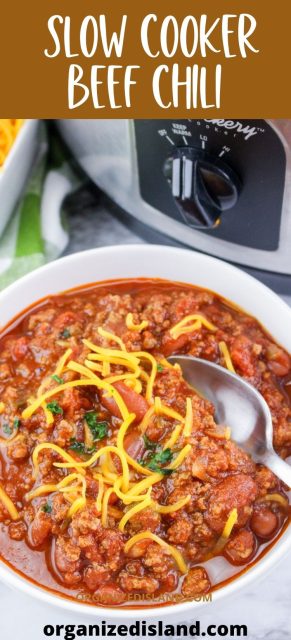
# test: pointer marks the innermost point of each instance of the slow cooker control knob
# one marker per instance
(202, 185)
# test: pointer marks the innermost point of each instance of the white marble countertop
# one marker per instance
(264, 607)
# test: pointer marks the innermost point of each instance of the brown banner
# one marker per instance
(188, 58)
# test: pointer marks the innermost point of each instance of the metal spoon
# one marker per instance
(239, 406)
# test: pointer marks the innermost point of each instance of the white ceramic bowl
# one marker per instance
(15, 170)
(174, 264)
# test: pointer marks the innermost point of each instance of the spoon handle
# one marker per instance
(279, 467)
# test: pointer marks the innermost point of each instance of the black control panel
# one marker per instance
(223, 177)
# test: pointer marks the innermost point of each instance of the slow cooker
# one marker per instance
(222, 186)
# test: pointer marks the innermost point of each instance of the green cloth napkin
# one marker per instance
(37, 231)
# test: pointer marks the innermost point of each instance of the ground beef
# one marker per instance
(85, 552)
(240, 547)
(196, 583)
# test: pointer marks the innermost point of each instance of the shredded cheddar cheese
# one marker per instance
(95, 367)
(107, 468)
(148, 535)
(125, 497)
(46, 382)
(143, 485)
(68, 479)
(53, 447)
(109, 481)
(228, 527)
(165, 363)
(88, 463)
(143, 425)
(275, 497)
(92, 358)
(76, 503)
(79, 368)
(116, 356)
(135, 327)
(120, 437)
(101, 384)
(102, 367)
(48, 414)
(197, 321)
(112, 338)
(231, 521)
(180, 457)
(138, 467)
(104, 514)
(8, 504)
(62, 362)
(105, 369)
(226, 356)
(150, 384)
(169, 444)
(133, 511)
(42, 490)
(162, 409)
(80, 501)
(172, 508)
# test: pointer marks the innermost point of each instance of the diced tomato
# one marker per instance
(242, 355)
(19, 348)
(65, 319)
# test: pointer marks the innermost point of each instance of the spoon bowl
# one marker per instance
(238, 405)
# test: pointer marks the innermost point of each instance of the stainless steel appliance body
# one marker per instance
(220, 186)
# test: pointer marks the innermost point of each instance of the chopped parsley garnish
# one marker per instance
(65, 333)
(164, 471)
(7, 429)
(47, 507)
(57, 379)
(155, 461)
(160, 368)
(80, 447)
(149, 444)
(99, 429)
(16, 423)
(54, 407)
(162, 456)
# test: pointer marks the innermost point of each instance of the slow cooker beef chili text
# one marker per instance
(114, 478)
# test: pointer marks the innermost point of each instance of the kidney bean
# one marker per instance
(264, 522)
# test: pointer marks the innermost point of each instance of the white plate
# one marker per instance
(134, 261)
(15, 170)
